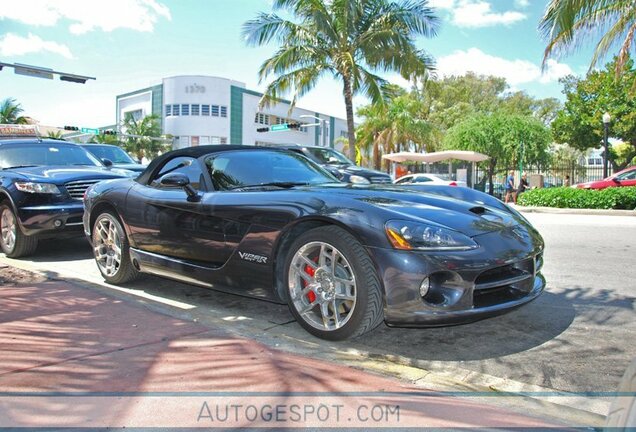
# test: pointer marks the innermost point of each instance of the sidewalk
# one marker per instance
(71, 357)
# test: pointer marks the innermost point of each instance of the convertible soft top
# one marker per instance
(194, 152)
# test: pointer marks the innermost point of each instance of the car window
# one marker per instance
(184, 165)
(421, 179)
(630, 175)
(45, 154)
(231, 170)
(112, 153)
(405, 180)
(329, 156)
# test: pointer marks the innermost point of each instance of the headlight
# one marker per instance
(418, 236)
(43, 188)
(356, 179)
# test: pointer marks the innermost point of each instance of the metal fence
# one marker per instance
(554, 175)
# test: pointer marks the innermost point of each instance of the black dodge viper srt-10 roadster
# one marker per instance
(268, 223)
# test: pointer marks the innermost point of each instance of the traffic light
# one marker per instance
(294, 125)
(262, 129)
(71, 128)
(108, 132)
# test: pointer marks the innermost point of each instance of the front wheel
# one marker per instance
(12, 241)
(334, 291)
(111, 250)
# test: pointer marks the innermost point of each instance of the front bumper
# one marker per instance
(499, 276)
(52, 220)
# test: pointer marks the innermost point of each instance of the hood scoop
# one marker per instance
(478, 210)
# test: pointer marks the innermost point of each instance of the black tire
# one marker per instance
(125, 271)
(367, 312)
(23, 245)
(622, 413)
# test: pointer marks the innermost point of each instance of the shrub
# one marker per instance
(564, 197)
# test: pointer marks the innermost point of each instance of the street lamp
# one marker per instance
(323, 127)
(606, 120)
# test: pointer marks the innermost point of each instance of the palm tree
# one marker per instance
(10, 112)
(146, 140)
(394, 127)
(347, 39)
(105, 139)
(56, 135)
(566, 24)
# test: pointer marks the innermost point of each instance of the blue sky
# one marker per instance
(130, 44)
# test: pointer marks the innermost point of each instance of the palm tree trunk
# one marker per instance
(348, 95)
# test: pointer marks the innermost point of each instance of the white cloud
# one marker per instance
(85, 15)
(14, 45)
(479, 13)
(514, 71)
(475, 13)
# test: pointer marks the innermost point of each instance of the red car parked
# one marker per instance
(627, 177)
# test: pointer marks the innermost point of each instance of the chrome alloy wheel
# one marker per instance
(9, 229)
(107, 246)
(322, 286)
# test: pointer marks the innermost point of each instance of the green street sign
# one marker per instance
(279, 127)
(90, 131)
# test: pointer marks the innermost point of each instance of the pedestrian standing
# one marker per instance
(523, 186)
(509, 188)
(566, 182)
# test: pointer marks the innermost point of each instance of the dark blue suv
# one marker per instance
(42, 184)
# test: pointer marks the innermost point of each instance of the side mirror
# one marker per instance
(107, 162)
(180, 180)
(615, 180)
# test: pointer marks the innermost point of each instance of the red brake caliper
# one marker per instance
(311, 296)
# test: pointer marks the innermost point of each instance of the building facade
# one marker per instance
(200, 110)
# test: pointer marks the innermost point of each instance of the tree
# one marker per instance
(580, 122)
(10, 112)
(56, 135)
(566, 24)
(105, 139)
(393, 127)
(147, 142)
(500, 136)
(347, 39)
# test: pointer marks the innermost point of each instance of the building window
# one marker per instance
(168, 110)
(223, 111)
(136, 114)
(344, 134)
(195, 110)
(175, 110)
(262, 119)
(215, 110)
(223, 140)
(185, 109)
(205, 110)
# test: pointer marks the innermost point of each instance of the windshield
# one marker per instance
(237, 169)
(115, 154)
(46, 154)
(329, 156)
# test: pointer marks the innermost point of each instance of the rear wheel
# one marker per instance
(12, 241)
(111, 250)
(334, 291)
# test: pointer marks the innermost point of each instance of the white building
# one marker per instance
(199, 110)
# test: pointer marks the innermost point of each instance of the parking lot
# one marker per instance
(574, 338)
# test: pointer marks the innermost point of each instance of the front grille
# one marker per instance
(77, 188)
(505, 283)
(380, 179)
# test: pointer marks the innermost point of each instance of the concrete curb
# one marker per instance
(591, 212)
(574, 409)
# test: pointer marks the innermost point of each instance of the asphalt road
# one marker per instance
(577, 337)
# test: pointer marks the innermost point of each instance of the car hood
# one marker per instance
(130, 166)
(63, 174)
(471, 217)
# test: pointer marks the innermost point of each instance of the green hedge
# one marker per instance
(564, 197)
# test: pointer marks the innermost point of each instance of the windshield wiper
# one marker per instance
(284, 185)
(20, 166)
